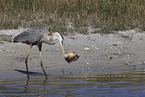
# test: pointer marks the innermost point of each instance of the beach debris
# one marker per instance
(127, 63)
(127, 34)
(116, 53)
(119, 42)
(94, 46)
(7, 50)
(87, 49)
(82, 69)
(62, 71)
(119, 52)
(87, 63)
(144, 62)
(114, 44)
(111, 47)
(93, 30)
(111, 57)
(107, 50)
(121, 47)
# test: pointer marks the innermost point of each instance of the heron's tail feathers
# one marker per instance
(15, 39)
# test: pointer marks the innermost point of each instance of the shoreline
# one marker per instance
(97, 52)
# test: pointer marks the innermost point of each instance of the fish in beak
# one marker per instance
(70, 57)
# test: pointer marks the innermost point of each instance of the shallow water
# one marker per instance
(100, 83)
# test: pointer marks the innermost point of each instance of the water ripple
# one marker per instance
(116, 83)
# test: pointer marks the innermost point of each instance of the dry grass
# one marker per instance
(73, 15)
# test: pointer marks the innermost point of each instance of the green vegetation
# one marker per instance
(73, 15)
(7, 38)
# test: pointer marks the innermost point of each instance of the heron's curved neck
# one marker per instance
(50, 39)
(47, 39)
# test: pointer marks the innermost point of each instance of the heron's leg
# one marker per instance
(41, 64)
(26, 60)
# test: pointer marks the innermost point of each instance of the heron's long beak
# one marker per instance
(62, 50)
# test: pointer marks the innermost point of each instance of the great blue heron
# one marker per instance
(37, 36)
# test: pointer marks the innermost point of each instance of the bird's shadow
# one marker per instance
(30, 73)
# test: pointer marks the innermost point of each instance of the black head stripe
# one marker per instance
(61, 36)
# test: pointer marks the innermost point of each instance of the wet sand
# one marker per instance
(121, 51)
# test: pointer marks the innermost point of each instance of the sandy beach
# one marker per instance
(120, 51)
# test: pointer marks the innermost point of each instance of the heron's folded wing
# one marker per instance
(37, 29)
(28, 37)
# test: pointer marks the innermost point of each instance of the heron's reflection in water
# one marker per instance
(39, 87)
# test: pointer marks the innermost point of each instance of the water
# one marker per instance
(127, 83)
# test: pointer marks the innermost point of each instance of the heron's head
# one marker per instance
(58, 36)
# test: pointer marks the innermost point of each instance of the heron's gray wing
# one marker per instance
(38, 29)
(28, 37)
